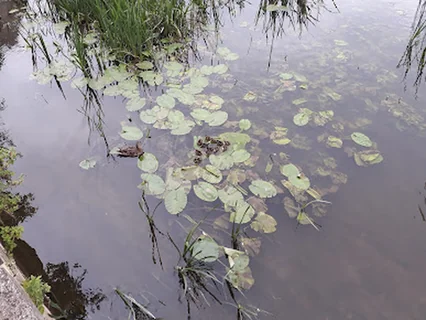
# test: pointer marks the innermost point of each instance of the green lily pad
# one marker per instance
(205, 191)
(166, 101)
(145, 65)
(299, 101)
(200, 114)
(199, 81)
(151, 77)
(176, 200)
(211, 174)
(334, 142)
(148, 163)
(302, 118)
(183, 128)
(239, 274)
(238, 140)
(300, 181)
(113, 90)
(361, 139)
(243, 213)
(87, 164)
(367, 158)
(333, 95)
(173, 65)
(205, 249)
(131, 133)
(223, 161)
(217, 118)
(217, 100)
(264, 223)
(79, 82)
(244, 124)
(286, 76)
(263, 189)
(60, 27)
(250, 96)
(220, 69)
(289, 170)
(153, 184)
(240, 155)
(230, 196)
(135, 104)
(280, 136)
(340, 43)
(207, 70)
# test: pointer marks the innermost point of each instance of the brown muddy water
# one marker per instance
(367, 261)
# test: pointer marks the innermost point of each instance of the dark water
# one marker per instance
(368, 260)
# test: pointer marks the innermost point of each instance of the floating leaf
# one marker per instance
(361, 139)
(244, 124)
(304, 219)
(289, 170)
(223, 161)
(131, 133)
(322, 117)
(176, 200)
(79, 82)
(239, 274)
(250, 96)
(148, 163)
(220, 69)
(90, 38)
(240, 155)
(300, 181)
(205, 249)
(263, 189)
(340, 43)
(230, 196)
(211, 174)
(166, 101)
(87, 164)
(217, 100)
(217, 118)
(299, 101)
(334, 142)
(290, 207)
(243, 213)
(300, 78)
(135, 104)
(153, 184)
(286, 76)
(183, 128)
(205, 191)
(264, 223)
(173, 65)
(200, 114)
(199, 81)
(238, 140)
(149, 116)
(333, 95)
(207, 70)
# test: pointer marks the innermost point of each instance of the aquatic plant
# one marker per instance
(136, 310)
(36, 289)
(9, 235)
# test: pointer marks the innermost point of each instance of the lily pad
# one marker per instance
(131, 133)
(240, 155)
(243, 213)
(302, 118)
(244, 124)
(286, 76)
(279, 136)
(135, 104)
(263, 189)
(87, 164)
(148, 163)
(238, 140)
(230, 196)
(299, 101)
(334, 142)
(205, 191)
(250, 96)
(300, 181)
(361, 139)
(217, 118)
(222, 161)
(264, 223)
(176, 200)
(205, 249)
(145, 65)
(289, 170)
(368, 157)
(153, 184)
(220, 69)
(166, 101)
(211, 174)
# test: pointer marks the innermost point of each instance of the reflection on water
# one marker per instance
(366, 262)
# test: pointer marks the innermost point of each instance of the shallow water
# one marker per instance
(368, 260)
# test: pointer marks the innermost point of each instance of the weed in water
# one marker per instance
(36, 289)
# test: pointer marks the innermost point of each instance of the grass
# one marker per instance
(135, 27)
(36, 289)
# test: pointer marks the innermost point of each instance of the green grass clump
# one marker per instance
(9, 235)
(36, 289)
(136, 27)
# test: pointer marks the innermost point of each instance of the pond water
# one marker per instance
(368, 259)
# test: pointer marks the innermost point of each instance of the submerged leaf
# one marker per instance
(368, 157)
(264, 223)
(334, 142)
(299, 101)
(290, 207)
(250, 96)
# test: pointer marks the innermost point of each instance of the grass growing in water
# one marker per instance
(135, 27)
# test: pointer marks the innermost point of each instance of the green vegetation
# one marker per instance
(36, 289)
(9, 235)
(135, 28)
